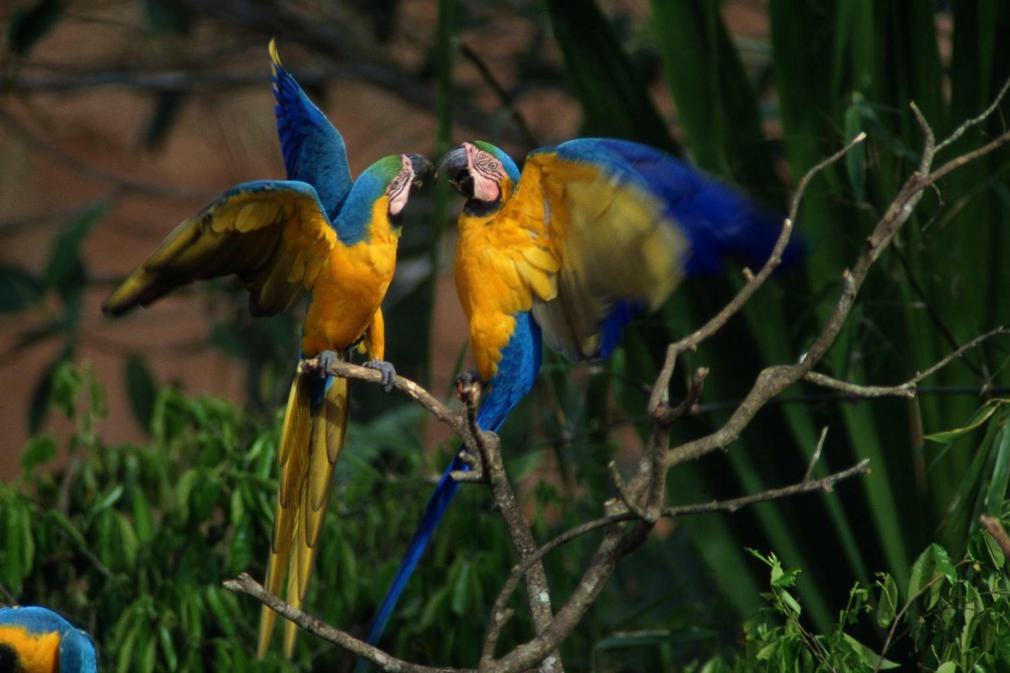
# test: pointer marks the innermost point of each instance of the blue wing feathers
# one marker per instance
(313, 149)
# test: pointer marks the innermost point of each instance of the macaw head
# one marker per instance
(35, 638)
(398, 176)
(481, 172)
(389, 181)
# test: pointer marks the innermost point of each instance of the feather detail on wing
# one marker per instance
(313, 149)
(595, 236)
(273, 234)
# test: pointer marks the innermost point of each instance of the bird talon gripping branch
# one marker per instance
(387, 370)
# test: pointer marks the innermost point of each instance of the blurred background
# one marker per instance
(138, 455)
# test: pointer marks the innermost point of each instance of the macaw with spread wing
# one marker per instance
(591, 233)
(317, 233)
(37, 640)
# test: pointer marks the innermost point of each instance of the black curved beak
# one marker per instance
(455, 167)
(422, 168)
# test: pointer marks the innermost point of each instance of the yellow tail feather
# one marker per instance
(310, 446)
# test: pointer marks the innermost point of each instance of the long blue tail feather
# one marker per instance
(517, 371)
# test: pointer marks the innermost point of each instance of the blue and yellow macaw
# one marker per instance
(591, 233)
(316, 233)
(37, 640)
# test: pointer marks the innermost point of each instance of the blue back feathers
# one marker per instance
(77, 651)
(313, 149)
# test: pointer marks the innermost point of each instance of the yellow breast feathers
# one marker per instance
(347, 295)
(500, 267)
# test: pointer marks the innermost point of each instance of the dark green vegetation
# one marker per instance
(131, 524)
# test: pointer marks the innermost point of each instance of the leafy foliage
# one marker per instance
(752, 110)
(953, 617)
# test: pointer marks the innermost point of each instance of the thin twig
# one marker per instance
(817, 454)
(975, 121)
(503, 96)
(660, 390)
(908, 388)
(805, 486)
(493, 469)
(995, 529)
(414, 391)
(247, 585)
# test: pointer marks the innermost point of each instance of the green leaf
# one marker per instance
(40, 450)
(141, 389)
(28, 25)
(41, 401)
(143, 519)
(147, 656)
(932, 563)
(168, 648)
(108, 500)
(128, 542)
(184, 489)
(869, 657)
(887, 603)
(124, 662)
(1000, 474)
(64, 271)
(19, 289)
(947, 667)
(459, 590)
(976, 421)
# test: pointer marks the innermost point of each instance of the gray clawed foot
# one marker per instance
(326, 360)
(387, 370)
(469, 385)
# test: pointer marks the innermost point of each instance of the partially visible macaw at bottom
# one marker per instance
(590, 234)
(37, 640)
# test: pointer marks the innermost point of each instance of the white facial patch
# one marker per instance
(486, 171)
(399, 189)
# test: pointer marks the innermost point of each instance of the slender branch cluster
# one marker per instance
(640, 500)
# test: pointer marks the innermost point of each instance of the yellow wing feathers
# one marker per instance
(311, 441)
(274, 238)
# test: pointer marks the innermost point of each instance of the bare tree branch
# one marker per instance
(630, 517)
(908, 388)
(660, 391)
(245, 584)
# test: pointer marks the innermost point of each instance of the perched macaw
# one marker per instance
(591, 233)
(37, 640)
(316, 233)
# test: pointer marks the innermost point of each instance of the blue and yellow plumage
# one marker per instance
(589, 234)
(37, 640)
(316, 233)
